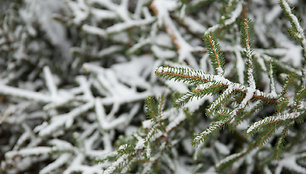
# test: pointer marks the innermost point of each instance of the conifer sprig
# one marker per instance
(296, 31)
(215, 53)
(247, 38)
(149, 142)
(212, 128)
(220, 100)
(202, 90)
(281, 140)
(237, 102)
(273, 119)
(196, 77)
(229, 160)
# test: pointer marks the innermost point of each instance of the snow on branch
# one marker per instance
(213, 127)
(50, 82)
(29, 151)
(65, 119)
(202, 90)
(117, 27)
(215, 53)
(229, 159)
(297, 30)
(161, 8)
(234, 15)
(193, 77)
(246, 34)
(273, 119)
(17, 92)
(220, 99)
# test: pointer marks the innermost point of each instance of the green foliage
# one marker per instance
(215, 54)
(209, 88)
(280, 142)
(212, 128)
(148, 143)
(237, 103)
(295, 30)
(299, 98)
(223, 98)
(287, 82)
(151, 109)
(247, 33)
(282, 104)
(186, 75)
(229, 160)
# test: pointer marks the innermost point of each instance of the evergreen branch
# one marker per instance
(22, 93)
(220, 99)
(159, 7)
(65, 119)
(301, 94)
(195, 77)
(280, 141)
(130, 164)
(50, 82)
(153, 131)
(221, 165)
(273, 119)
(60, 161)
(214, 53)
(247, 26)
(234, 15)
(202, 90)
(161, 105)
(282, 104)
(117, 79)
(269, 132)
(153, 111)
(288, 81)
(213, 127)
(122, 159)
(280, 64)
(151, 108)
(176, 122)
(253, 110)
(249, 95)
(116, 28)
(272, 81)
(297, 30)
(186, 75)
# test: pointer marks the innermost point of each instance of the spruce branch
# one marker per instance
(280, 141)
(213, 127)
(221, 165)
(234, 15)
(297, 30)
(220, 99)
(146, 145)
(273, 119)
(202, 90)
(246, 35)
(195, 77)
(161, 9)
(214, 53)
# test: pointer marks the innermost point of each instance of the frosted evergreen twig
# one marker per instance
(235, 14)
(17, 92)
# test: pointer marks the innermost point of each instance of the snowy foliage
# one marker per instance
(152, 86)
